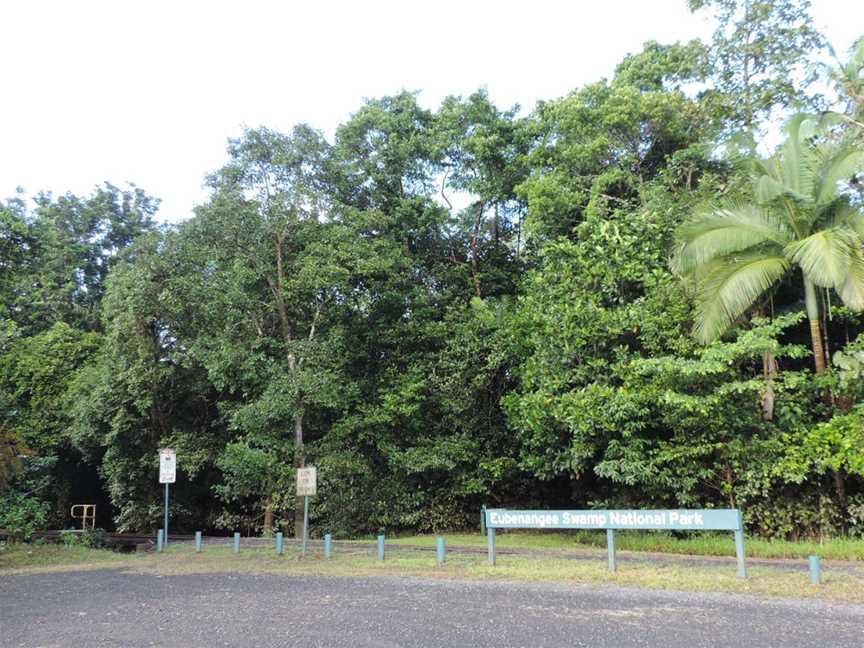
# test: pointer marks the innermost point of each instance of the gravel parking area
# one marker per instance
(113, 608)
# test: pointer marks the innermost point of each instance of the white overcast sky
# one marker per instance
(149, 91)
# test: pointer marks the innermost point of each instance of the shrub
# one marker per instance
(21, 516)
(96, 539)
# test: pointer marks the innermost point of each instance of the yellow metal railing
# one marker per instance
(86, 513)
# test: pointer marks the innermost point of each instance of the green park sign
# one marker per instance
(676, 519)
(618, 520)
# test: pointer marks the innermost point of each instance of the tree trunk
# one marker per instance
(769, 370)
(769, 373)
(475, 275)
(820, 360)
(840, 490)
(268, 518)
(840, 487)
(299, 462)
(278, 290)
(812, 303)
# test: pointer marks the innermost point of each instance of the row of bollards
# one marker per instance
(815, 562)
(161, 542)
(440, 546)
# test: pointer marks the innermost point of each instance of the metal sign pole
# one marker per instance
(167, 475)
(166, 514)
(305, 522)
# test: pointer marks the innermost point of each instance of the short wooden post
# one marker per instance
(198, 542)
(328, 545)
(490, 539)
(610, 550)
(440, 550)
(236, 542)
(280, 543)
(483, 520)
(815, 570)
(305, 523)
(380, 547)
(159, 540)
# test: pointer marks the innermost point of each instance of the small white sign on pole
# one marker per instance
(307, 481)
(167, 466)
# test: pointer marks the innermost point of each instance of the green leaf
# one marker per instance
(730, 288)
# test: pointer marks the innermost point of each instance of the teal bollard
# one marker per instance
(739, 554)
(490, 535)
(610, 550)
(159, 540)
(280, 543)
(198, 542)
(328, 545)
(439, 550)
(380, 547)
(815, 570)
(236, 542)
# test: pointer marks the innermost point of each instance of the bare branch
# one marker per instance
(443, 195)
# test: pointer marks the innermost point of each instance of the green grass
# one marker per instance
(360, 561)
(19, 556)
(702, 544)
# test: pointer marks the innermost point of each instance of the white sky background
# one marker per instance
(149, 91)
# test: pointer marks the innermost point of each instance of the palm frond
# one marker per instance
(798, 175)
(793, 169)
(851, 291)
(843, 214)
(731, 288)
(842, 164)
(767, 188)
(824, 256)
(789, 175)
(801, 127)
(829, 119)
(723, 231)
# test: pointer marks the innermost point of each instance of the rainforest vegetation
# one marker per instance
(645, 293)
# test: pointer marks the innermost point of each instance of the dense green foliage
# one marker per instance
(447, 308)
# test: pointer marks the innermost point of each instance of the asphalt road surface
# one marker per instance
(111, 608)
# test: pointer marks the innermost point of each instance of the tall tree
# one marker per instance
(848, 79)
(269, 269)
(266, 202)
(55, 259)
(760, 58)
(481, 151)
(595, 147)
(143, 391)
(59, 253)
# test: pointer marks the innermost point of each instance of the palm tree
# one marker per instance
(801, 219)
(849, 80)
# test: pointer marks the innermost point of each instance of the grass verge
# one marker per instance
(701, 544)
(360, 561)
(20, 557)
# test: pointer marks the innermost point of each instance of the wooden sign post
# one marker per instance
(307, 486)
